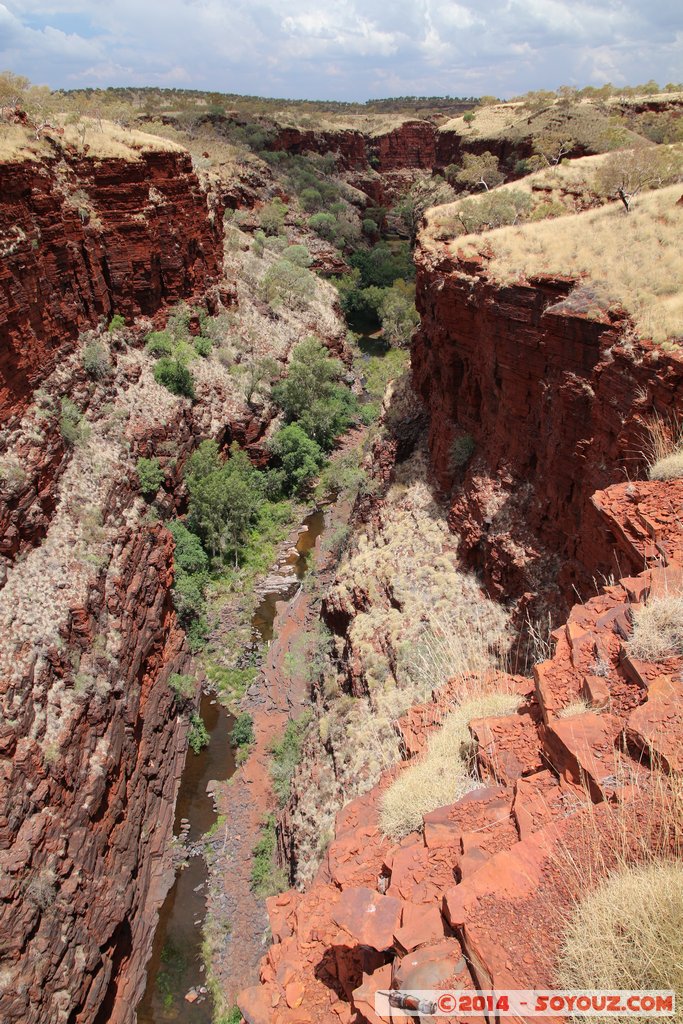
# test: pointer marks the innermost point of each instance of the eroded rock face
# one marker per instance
(86, 819)
(82, 239)
(91, 743)
(478, 898)
(552, 407)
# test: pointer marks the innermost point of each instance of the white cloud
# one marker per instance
(346, 49)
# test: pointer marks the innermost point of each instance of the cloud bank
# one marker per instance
(346, 50)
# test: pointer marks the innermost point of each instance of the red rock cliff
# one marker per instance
(85, 820)
(84, 238)
(556, 405)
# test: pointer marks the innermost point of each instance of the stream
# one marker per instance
(175, 965)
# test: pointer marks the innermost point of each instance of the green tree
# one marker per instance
(310, 375)
(550, 146)
(493, 210)
(311, 396)
(203, 462)
(224, 504)
(398, 313)
(198, 736)
(300, 456)
(189, 555)
(259, 376)
(150, 476)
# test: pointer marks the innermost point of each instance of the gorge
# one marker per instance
(488, 488)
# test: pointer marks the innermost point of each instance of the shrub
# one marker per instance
(159, 343)
(626, 934)
(72, 426)
(462, 449)
(442, 776)
(182, 687)
(189, 555)
(175, 377)
(243, 730)
(286, 282)
(298, 255)
(657, 629)
(266, 879)
(150, 476)
(116, 323)
(493, 210)
(198, 737)
(96, 360)
(286, 754)
(325, 225)
(203, 346)
(273, 217)
(12, 473)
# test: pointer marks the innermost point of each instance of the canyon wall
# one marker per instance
(92, 741)
(83, 238)
(554, 406)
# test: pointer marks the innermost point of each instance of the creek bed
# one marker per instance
(176, 961)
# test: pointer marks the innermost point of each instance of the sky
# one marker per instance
(343, 49)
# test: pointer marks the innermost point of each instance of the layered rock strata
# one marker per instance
(532, 410)
(84, 237)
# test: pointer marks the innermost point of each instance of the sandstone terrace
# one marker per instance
(636, 259)
(586, 122)
(94, 138)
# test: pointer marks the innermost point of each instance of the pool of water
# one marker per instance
(175, 966)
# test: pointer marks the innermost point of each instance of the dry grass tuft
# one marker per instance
(627, 933)
(668, 468)
(663, 448)
(577, 707)
(657, 629)
(443, 775)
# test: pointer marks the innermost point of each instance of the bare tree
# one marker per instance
(625, 173)
(477, 170)
(551, 146)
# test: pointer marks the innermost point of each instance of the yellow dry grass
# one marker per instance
(585, 122)
(103, 139)
(443, 775)
(370, 124)
(16, 143)
(637, 257)
(663, 448)
(627, 935)
(658, 629)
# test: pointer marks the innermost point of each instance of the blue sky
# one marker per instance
(343, 49)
